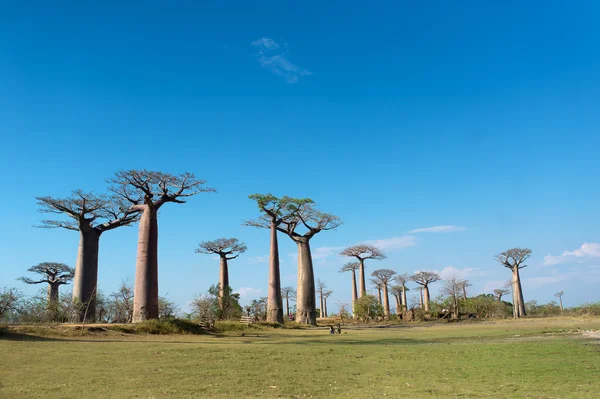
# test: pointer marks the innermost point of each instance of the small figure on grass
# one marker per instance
(339, 329)
(331, 330)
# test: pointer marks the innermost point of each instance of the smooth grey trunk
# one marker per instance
(404, 303)
(426, 297)
(518, 303)
(354, 292)
(223, 279)
(421, 298)
(321, 310)
(145, 296)
(386, 302)
(86, 275)
(561, 305)
(305, 299)
(464, 292)
(287, 305)
(379, 295)
(363, 285)
(325, 307)
(52, 299)
(274, 301)
(398, 305)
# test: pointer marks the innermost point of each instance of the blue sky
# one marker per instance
(395, 117)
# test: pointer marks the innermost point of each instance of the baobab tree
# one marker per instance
(500, 292)
(321, 287)
(384, 276)
(288, 293)
(514, 259)
(272, 209)
(227, 249)
(91, 215)
(147, 191)
(401, 280)
(54, 274)
(559, 296)
(325, 296)
(363, 252)
(420, 297)
(454, 287)
(351, 267)
(396, 291)
(378, 286)
(424, 279)
(463, 284)
(301, 214)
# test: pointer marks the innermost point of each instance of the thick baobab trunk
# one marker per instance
(518, 304)
(321, 308)
(426, 297)
(522, 311)
(274, 301)
(404, 303)
(85, 281)
(223, 279)
(363, 285)
(398, 304)
(464, 292)
(325, 307)
(145, 296)
(305, 299)
(379, 295)
(287, 305)
(354, 293)
(386, 302)
(52, 300)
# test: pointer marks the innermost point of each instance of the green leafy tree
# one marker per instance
(367, 307)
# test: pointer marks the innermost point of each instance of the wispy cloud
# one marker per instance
(249, 292)
(257, 259)
(390, 244)
(438, 229)
(450, 271)
(271, 56)
(587, 251)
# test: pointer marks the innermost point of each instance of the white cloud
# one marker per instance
(393, 243)
(450, 271)
(271, 57)
(587, 251)
(257, 259)
(249, 292)
(438, 229)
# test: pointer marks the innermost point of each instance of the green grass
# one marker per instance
(542, 358)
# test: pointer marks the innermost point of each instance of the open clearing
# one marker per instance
(543, 358)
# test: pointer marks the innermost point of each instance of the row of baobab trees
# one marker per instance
(513, 259)
(137, 196)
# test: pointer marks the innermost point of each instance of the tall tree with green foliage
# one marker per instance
(273, 210)
(302, 215)
(514, 259)
(227, 249)
(91, 215)
(363, 252)
(147, 191)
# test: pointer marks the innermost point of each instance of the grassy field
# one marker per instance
(545, 358)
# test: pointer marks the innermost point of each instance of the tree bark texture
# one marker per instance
(223, 279)
(379, 296)
(145, 297)
(354, 292)
(363, 285)
(426, 297)
(325, 307)
(518, 303)
(404, 303)
(321, 308)
(305, 299)
(398, 305)
(386, 302)
(274, 300)
(86, 275)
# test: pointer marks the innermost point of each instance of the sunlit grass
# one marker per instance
(544, 358)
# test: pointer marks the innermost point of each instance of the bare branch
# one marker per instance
(364, 251)
(514, 258)
(350, 266)
(222, 247)
(383, 275)
(425, 278)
